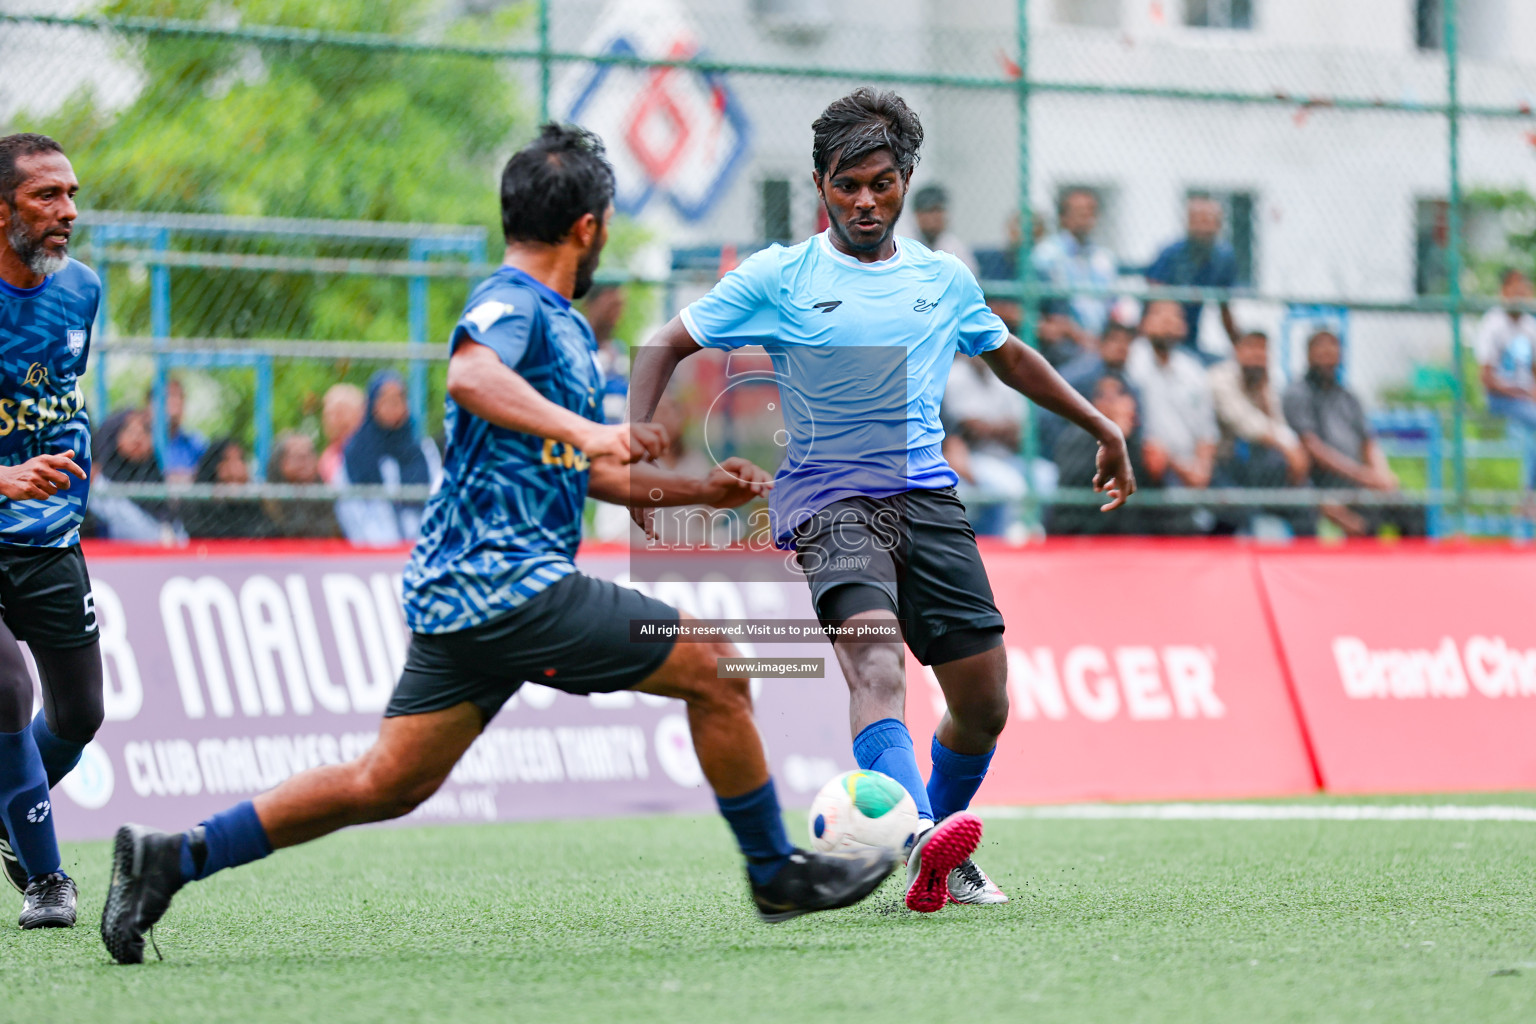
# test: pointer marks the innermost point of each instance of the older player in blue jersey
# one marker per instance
(492, 594)
(862, 327)
(47, 306)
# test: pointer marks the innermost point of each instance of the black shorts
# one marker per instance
(913, 554)
(573, 636)
(45, 596)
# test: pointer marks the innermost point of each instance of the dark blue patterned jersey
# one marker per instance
(45, 337)
(506, 522)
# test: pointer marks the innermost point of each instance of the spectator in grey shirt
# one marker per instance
(1333, 429)
(1178, 407)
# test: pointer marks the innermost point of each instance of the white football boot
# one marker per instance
(935, 855)
(969, 884)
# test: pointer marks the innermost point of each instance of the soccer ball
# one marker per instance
(863, 808)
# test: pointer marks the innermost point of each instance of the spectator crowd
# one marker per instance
(369, 439)
(1195, 421)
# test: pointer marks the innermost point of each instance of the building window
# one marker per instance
(1219, 13)
(1431, 235)
(1427, 22)
(1484, 238)
(1238, 226)
(1091, 13)
(774, 213)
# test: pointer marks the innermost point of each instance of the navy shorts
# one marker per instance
(45, 596)
(913, 554)
(572, 636)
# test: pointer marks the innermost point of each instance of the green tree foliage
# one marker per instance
(297, 130)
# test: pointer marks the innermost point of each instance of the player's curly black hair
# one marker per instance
(553, 182)
(12, 149)
(863, 121)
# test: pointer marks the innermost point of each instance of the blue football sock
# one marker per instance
(955, 778)
(759, 828)
(24, 803)
(59, 756)
(226, 840)
(886, 746)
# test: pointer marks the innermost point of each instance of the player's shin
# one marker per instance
(886, 746)
(24, 804)
(730, 752)
(956, 778)
(59, 755)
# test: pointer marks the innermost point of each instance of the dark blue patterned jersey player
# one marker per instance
(493, 596)
(47, 304)
(507, 520)
(45, 337)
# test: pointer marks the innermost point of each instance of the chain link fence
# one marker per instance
(288, 203)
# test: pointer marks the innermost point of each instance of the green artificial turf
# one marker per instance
(1111, 921)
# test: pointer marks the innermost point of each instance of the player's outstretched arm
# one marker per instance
(734, 482)
(487, 387)
(1027, 372)
(653, 366)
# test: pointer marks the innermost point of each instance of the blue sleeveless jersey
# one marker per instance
(45, 337)
(507, 520)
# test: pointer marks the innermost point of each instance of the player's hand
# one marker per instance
(626, 442)
(735, 482)
(1114, 476)
(644, 517)
(42, 477)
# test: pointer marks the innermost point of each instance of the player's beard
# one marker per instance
(842, 232)
(586, 270)
(33, 252)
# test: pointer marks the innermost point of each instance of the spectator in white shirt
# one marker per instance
(1178, 407)
(930, 205)
(1070, 259)
(1506, 340)
(1258, 448)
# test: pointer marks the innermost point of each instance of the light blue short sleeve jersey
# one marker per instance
(861, 352)
(45, 339)
(507, 520)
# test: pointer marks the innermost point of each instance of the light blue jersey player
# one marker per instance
(492, 592)
(862, 352)
(47, 306)
(862, 328)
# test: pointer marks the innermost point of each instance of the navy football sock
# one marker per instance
(59, 756)
(955, 778)
(886, 746)
(226, 840)
(759, 828)
(24, 803)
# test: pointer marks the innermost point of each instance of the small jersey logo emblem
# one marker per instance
(39, 813)
(75, 339)
(487, 313)
(924, 306)
(37, 376)
(829, 306)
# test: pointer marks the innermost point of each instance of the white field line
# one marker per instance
(1264, 812)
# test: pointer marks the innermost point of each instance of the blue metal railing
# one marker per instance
(157, 231)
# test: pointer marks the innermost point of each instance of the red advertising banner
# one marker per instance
(1135, 672)
(1415, 667)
